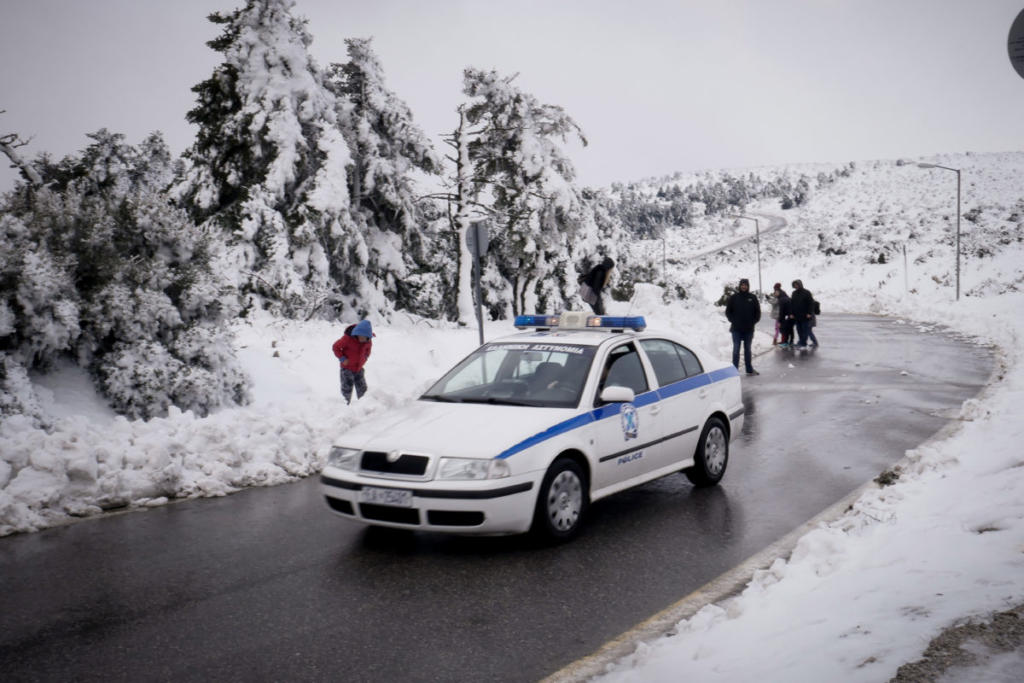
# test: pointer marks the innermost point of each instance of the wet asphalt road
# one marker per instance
(266, 584)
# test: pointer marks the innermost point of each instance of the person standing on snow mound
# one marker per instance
(744, 311)
(353, 350)
(598, 278)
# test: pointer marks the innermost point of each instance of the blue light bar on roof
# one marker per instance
(524, 321)
(578, 320)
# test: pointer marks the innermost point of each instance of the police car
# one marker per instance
(529, 429)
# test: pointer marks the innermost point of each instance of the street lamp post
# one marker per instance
(957, 171)
(757, 239)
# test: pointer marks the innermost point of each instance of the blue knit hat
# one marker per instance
(362, 329)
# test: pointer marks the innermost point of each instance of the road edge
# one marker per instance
(723, 586)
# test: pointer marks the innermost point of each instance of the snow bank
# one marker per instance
(91, 460)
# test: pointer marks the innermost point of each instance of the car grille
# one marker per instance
(406, 465)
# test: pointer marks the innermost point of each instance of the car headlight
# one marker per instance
(472, 468)
(344, 458)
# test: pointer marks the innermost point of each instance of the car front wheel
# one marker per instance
(712, 455)
(561, 502)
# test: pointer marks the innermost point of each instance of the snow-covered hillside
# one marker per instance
(847, 242)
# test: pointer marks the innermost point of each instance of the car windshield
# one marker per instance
(527, 374)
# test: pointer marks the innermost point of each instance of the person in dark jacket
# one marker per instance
(802, 303)
(813, 323)
(352, 351)
(598, 278)
(785, 320)
(743, 310)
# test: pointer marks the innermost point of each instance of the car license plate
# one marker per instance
(396, 497)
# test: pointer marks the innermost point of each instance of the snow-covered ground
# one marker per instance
(858, 597)
(864, 594)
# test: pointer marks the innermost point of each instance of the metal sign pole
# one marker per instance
(477, 241)
(757, 230)
(476, 283)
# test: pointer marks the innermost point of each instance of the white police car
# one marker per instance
(529, 429)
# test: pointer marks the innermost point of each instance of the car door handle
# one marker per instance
(655, 410)
(703, 393)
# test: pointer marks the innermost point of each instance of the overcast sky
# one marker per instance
(657, 86)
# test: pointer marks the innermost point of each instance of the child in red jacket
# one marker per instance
(353, 350)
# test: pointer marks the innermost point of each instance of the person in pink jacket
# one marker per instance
(352, 351)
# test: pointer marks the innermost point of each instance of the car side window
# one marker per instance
(665, 359)
(690, 362)
(671, 362)
(622, 368)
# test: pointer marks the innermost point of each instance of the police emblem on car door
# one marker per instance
(621, 429)
(630, 429)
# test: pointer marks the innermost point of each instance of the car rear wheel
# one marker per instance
(561, 502)
(712, 455)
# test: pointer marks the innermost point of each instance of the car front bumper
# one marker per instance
(488, 507)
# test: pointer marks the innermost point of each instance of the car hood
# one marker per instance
(468, 430)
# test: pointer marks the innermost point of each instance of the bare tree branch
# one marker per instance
(10, 142)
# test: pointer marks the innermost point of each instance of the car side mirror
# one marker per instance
(617, 394)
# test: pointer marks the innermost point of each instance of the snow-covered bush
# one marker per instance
(105, 270)
(196, 372)
(210, 377)
(16, 394)
(39, 305)
(138, 378)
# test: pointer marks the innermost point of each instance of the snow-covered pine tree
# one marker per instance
(802, 191)
(461, 195)
(105, 270)
(268, 168)
(407, 259)
(514, 145)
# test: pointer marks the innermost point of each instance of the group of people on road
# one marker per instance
(796, 312)
(792, 313)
